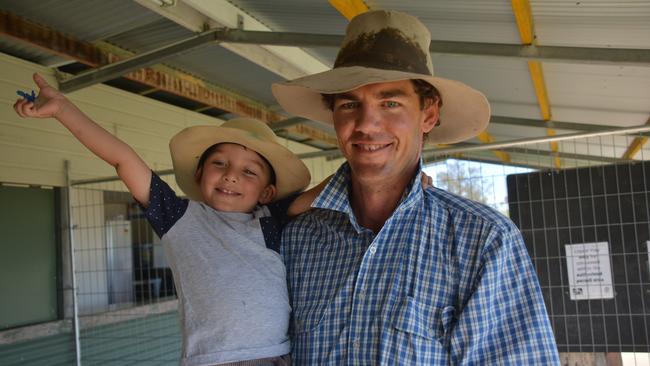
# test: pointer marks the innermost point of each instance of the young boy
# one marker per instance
(222, 243)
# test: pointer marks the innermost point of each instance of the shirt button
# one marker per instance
(356, 344)
(373, 249)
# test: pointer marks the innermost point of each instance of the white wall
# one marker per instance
(32, 151)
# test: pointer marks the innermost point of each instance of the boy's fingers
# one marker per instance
(38, 79)
(25, 109)
(18, 107)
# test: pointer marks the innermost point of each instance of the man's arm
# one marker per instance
(131, 169)
(504, 320)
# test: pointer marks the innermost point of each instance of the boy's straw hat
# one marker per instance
(187, 146)
(384, 46)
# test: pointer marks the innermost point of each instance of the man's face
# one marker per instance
(380, 127)
(235, 179)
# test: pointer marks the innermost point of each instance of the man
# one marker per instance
(382, 272)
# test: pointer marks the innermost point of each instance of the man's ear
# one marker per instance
(268, 194)
(431, 114)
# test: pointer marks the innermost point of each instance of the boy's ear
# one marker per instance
(268, 194)
(197, 175)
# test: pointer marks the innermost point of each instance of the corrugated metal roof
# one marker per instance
(88, 20)
(151, 35)
(463, 20)
(295, 15)
(612, 95)
(594, 23)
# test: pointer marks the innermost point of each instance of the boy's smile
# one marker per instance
(235, 179)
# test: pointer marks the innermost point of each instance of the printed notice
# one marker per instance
(590, 275)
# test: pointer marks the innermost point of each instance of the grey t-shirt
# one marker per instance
(233, 300)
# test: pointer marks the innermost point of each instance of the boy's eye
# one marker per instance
(249, 172)
(391, 104)
(218, 163)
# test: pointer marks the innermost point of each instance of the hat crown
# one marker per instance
(255, 129)
(387, 40)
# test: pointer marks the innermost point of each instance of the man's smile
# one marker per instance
(370, 147)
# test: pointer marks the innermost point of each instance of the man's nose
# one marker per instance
(368, 119)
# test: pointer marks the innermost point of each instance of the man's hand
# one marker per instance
(49, 103)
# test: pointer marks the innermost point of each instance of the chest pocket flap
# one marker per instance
(426, 321)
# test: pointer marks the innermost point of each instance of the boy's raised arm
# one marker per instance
(131, 169)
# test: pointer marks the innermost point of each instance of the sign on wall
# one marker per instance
(590, 275)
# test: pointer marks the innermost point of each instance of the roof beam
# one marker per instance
(636, 146)
(259, 37)
(139, 61)
(179, 83)
(349, 8)
(524, 18)
(486, 138)
(587, 55)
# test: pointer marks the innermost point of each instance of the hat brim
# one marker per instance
(465, 112)
(187, 146)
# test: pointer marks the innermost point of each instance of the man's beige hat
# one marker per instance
(384, 46)
(187, 146)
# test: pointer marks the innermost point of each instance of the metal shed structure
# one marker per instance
(568, 83)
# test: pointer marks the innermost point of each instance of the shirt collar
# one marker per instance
(335, 195)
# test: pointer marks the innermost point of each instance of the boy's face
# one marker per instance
(235, 179)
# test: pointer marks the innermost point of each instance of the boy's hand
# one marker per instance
(49, 103)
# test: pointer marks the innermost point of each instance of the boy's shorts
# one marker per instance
(271, 361)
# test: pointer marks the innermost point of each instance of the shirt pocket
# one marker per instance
(425, 321)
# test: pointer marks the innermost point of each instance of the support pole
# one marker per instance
(75, 304)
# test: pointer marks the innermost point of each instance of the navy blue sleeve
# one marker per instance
(165, 207)
(272, 226)
(279, 208)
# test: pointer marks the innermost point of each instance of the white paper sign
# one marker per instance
(590, 275)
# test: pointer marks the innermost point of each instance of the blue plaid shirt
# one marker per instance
(445, 281)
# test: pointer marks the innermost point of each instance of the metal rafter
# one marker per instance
(349, 8)
(636, 145)
(585, 55)
(525, 24)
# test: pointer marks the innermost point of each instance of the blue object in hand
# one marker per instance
(29, 97)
